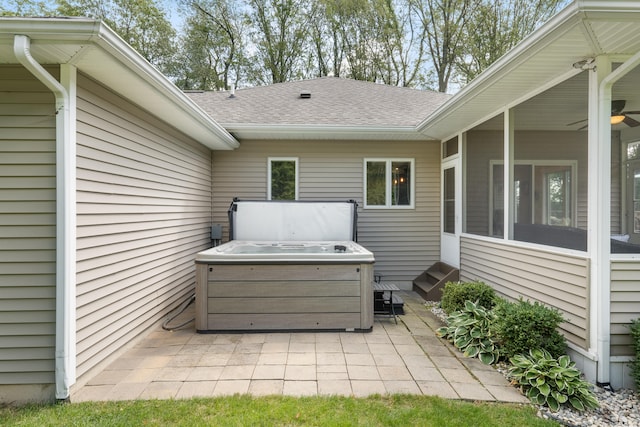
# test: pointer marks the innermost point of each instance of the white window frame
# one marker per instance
(388, 162)
(282, 159)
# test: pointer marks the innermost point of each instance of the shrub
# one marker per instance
(552, 382)
(521, 326)
(470, 330)
(455, 294)
(635, 365)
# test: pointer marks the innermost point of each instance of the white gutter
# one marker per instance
(600, 215)
(206, 126)
(112, 43)
(288, 131)
(65, 363)
(118, 66)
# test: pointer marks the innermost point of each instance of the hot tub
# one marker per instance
(246, 285)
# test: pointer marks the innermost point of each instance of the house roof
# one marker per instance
(100, 53)
(334, 108)
(347, 109)
(584, 30)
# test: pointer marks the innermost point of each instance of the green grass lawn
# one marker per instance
(396, 410)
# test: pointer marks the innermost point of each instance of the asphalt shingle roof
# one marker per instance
(333, 102)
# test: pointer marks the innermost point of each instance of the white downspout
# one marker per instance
(600, 224)
(65, 357)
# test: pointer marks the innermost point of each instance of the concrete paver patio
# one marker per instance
(403, 358)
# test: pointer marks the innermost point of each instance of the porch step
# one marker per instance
(430, 283)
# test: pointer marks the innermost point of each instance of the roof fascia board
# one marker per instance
(69, 30)
(266, 131)
(118, 48)
(316, 128)
(605, 6)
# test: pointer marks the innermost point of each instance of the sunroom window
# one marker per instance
(389, 183)
(625, 200)
(543, 194)
(283, 178)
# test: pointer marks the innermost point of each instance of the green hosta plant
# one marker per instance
(469, 330)
(550, 381)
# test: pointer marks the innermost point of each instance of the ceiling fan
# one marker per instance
(618, 115)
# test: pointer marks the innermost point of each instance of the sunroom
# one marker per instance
(541, 179)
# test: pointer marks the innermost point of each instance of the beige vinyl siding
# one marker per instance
(405, 241)
(27, 232)
(554, 279)
(143, 212)
(625, 304)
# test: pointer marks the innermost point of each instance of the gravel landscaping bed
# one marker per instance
(617, 407)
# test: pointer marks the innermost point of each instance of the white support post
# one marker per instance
(459, 188)
(463, 179)
(509, 138)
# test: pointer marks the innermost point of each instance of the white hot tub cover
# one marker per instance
(269, 220)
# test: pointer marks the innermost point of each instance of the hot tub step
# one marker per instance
(430, 283)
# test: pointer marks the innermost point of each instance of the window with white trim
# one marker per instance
(389, 183)
(283, 178)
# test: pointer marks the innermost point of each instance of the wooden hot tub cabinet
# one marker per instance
(284, 296)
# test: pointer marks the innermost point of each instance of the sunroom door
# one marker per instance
(451, 213)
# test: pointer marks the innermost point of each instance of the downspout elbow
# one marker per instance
(22, 51)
